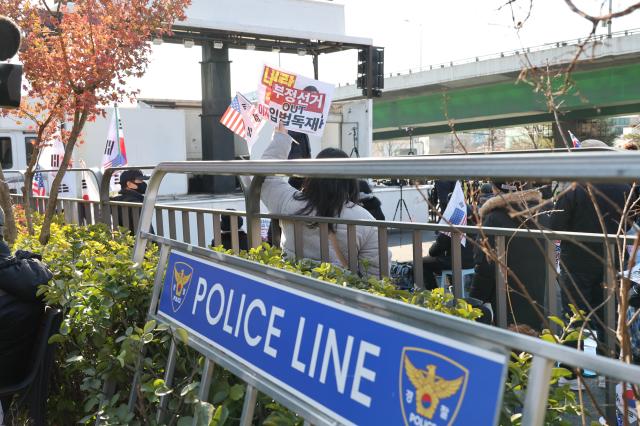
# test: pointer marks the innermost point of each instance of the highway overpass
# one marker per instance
(485, 92)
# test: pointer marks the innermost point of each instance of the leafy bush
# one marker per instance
(105, 297)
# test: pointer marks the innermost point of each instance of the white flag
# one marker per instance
(456, 211)
(115, 152)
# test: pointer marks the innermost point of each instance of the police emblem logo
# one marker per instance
(432, 387)
(182, 274)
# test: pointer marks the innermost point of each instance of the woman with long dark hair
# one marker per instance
(325, 197)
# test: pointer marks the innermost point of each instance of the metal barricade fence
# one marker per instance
(609, 167)
(167, 220)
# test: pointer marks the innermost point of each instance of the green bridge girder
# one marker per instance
(597, 93)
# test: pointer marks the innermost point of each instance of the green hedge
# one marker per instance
(105, 298)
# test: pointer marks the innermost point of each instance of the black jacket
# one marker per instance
(129, 196)
(443, 189)
(20, 310)
(21, 274)
(441, 249)
(524, 257)
(575, 212)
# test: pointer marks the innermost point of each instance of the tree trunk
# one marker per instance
(79, 120)
(10, 229)
(26, 196)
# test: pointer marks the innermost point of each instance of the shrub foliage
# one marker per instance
(105, 298)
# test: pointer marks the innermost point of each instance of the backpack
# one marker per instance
(402, 275)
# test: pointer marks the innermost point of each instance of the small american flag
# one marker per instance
(232, 118)
(459, 217)
(38, 187)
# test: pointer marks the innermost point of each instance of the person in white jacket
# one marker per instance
(325, 197)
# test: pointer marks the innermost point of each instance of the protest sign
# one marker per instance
(300, 103)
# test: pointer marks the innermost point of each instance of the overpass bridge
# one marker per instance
(483, 92)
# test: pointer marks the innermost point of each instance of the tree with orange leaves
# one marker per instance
(77, 57)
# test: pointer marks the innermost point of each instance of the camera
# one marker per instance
(10, 74)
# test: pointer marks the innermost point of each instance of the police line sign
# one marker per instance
(357, 367)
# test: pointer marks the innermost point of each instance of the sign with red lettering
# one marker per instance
(300, 103)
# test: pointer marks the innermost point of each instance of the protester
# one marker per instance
(132, 186)
(369, 201)
(525, 260)
(227, 237)
(320, 197)
(443, 188)
(440, 255)
(486, 192)
(20, 309)
(582, 267)
(132, 190)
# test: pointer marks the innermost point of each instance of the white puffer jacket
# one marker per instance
(279, 198)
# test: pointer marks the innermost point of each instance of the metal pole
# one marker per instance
(535, 403)
(205, 384)
(609, 20)
(248, 406)
(456, 265)
(315, 66)
(252, 205)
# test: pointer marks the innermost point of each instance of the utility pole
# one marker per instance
(609, 20)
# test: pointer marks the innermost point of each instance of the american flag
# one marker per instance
(232, 118)
(459, 217)
(38, 187)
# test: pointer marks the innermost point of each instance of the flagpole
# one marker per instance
(115, 106)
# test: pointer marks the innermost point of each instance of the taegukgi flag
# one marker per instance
(50, 158)
(456, 211)
(115, 152)
(90, 190)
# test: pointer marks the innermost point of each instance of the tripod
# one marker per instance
(401, 205)
(354, 150)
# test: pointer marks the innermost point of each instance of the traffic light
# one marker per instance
(10, 85)
(371, 71)
(363, 68)
(10, 75)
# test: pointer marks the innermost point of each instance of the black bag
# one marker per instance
(402, 275)
(21, 274)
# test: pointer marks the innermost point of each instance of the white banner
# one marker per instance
(300, 103)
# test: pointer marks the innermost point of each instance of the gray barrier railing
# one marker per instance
(602, 167)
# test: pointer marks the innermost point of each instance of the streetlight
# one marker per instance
(419, 24)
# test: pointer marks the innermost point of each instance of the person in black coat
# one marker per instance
(443, 188)
(20, 309)
(582, 267)
(369, 201)
(132, 189)
(226, 236)
(524, 258)
(440, 254)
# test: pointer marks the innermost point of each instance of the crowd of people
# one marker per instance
(516, 205)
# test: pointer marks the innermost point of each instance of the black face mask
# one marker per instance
(142, 188)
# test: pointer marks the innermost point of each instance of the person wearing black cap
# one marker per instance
(132, 189)
(132, 186)
(20, 309)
